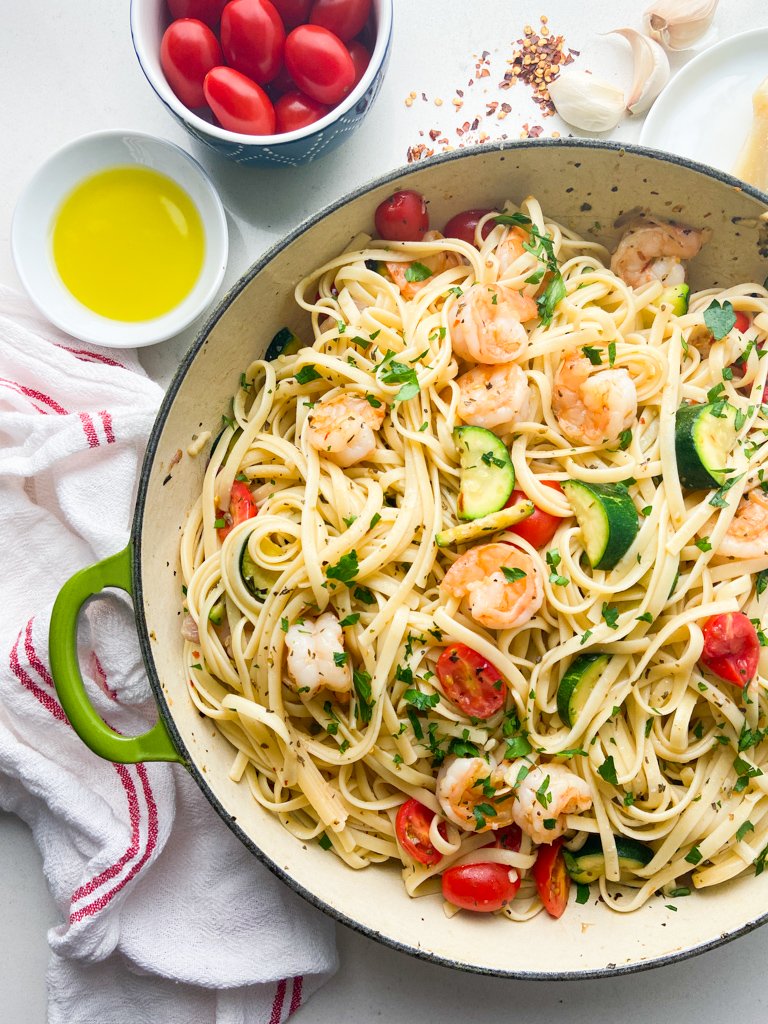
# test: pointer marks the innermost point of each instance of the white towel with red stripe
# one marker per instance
(166, 917)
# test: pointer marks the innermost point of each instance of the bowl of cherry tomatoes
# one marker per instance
(265, 82)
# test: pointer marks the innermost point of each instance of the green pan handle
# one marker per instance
(155, 745)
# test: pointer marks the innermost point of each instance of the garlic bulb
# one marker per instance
(651, 69)
(678, 24)
(586, 102)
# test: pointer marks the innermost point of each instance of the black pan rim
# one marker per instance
(572, 144)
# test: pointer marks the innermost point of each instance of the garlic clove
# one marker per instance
(678, 24)
(586, 102)
(651, 69)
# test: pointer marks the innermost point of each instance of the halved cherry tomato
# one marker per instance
(552, 878)
(462, 225)
(361, 58)
(208, 11)
(345, 18)
(188, 51)
(541, 527)
(731, 647)
(471, 682)
(412, 828)
(241, 507)
(253, 38)
(508, 838)
(294, 110)
(293, 12)
(240, 105)
(319, 63)
(402, 218)
(483, 888)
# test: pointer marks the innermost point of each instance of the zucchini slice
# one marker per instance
(486, 525)
(577, 684)
(487, 473)
(284, 343)
(588, 863)
(216, 614)
(258, 581)
(608, 520)
(704, 436)
(676, 298)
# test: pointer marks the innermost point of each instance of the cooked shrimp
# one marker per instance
(494, 600)
(344, 428)
(651, 250)
(465, 782)
(488, 324)
(490, 396)
(592, 406)
(312, 645)
(510, 249)
(437, 263)
(548, 793)
(747, 535)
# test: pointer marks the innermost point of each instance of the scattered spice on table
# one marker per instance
(536, 60)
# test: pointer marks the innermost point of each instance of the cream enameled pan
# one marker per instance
(586, 185)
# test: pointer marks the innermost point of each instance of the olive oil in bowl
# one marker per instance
(128, 243)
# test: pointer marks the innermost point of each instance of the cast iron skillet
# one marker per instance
(585, 185)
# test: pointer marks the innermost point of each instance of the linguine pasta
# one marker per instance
(672, 755)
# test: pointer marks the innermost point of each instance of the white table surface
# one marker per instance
(68, 68)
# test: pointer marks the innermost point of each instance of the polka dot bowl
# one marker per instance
(149, 19)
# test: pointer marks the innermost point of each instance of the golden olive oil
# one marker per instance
(128, 243)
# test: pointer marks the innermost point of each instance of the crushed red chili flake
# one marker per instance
(536, 60)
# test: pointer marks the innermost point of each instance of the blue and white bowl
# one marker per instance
(149, 19)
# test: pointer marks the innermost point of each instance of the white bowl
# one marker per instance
(41, 199)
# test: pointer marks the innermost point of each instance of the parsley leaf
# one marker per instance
(340, 658)
(593, 355)
(607, 771)
(720, 319)
(417, 272)
(742, 830)
(307, 374)
(422, 701)
(693, 856)
(362, 684)
(582, 893)
(611, 615)
(513, 575)
(481, 812)
(345, 569)
(365, 595)
(625, 440)
(519, 746)
(350, 620)
(390, 371)
(519, 219)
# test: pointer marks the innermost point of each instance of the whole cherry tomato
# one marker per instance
(412, 828)
(402, 218)
(293, 12)
(541, 527)
(240, 105)
(345, 18)
(188, 51)
(319, 63)
(462, 225)
(480, 887)
(253, 38)
(241, 507)
(552, 879)
(294, 110)
(471, 682)
(361, 58)
(208, 11)
(731, 647)
(281, 84)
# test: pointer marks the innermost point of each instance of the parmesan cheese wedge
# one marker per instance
(752, 163)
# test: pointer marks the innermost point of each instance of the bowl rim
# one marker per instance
(192, 120)
(141, 333)
(410, 948)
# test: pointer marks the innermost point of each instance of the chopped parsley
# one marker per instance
(373, 401)
(645, 617)
(693, 856)
(513, 575)
(593, 355)
(324, 841)
(362, 683)
(364, 595)
(518, 747)
(611, 615)
(375, 518)
(307, 374)
(703, 544)
(422, 701)
(284, 624)
(481, 812)
(720, 319)
(518, 219)
(390, 371)
(220, 523)
(340, 658)
(607, 771)
(350, 620)
(492, 460)
(345, 569)
(348, 520)
(611, 353)
(582, 893)
(625, 440)
(742, 830)
(543, 794)
(417, 272)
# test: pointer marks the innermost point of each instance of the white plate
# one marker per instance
(37, 207)
(706, 110)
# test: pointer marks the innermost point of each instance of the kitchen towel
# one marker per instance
(166, 917)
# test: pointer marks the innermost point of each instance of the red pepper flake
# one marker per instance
(434, 134)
